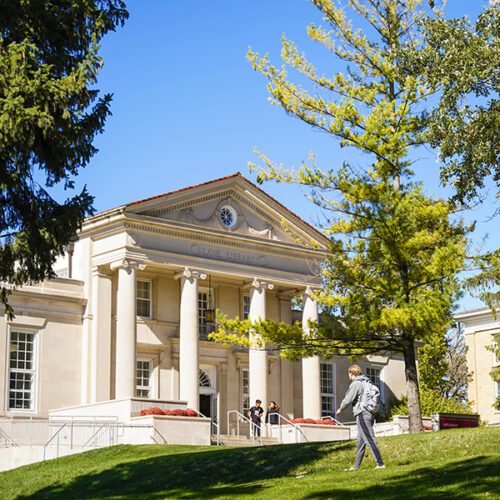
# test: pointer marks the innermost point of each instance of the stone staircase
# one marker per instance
(232, 440)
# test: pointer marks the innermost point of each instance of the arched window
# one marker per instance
(204, 379)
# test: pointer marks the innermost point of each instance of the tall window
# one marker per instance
(327, 382)
(245, 391)
(204, 326)
(144, 378)
(22, 370)
(144, 298)
(246, 306)
(374, 374)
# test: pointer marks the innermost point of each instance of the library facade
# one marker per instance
(130, 312)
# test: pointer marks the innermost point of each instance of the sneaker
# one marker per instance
(380, 466)
(351, 469)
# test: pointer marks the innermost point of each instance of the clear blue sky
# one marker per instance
(188, 108)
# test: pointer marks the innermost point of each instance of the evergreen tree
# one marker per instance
(50, 112)
(389, 281)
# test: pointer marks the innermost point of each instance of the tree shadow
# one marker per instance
(464, 479)
(213, 473)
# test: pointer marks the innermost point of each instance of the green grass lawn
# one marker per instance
(449, 464)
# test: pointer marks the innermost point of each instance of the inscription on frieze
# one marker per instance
(228, 255)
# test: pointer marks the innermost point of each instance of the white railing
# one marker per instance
(380, 429)
(5, 440)
(215, 426)
(295, 427)
(26, 431)
(56, 434)
(70, 432)
(252, 429)
(328, 417)
(105, 435)
(337, 422)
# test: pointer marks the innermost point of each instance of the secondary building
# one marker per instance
(479, 328)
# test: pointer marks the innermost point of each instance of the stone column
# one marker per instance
(311, 387)
(286, 402)
(126, 328)
(257, 356)
(100, 358)
(188, 338)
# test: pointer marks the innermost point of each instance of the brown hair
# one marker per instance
(355, 370)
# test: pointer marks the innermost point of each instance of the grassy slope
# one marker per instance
(451, 464)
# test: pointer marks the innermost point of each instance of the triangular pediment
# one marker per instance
(231, 205)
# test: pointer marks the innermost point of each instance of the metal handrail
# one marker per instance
(109, 425)
(50, 440)
(328, 417)
(252, 428)
(296, 428)
(8, 439)
(212, 422)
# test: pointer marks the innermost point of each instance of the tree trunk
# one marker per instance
(412, 389)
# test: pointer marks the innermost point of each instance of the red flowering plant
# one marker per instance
(325, 421)
(177, 412)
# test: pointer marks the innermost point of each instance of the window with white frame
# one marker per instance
(328, 393)
(144, 298)
(245, 390)
(374, 373)
(144, 378)
(22, 370)
(246, 306)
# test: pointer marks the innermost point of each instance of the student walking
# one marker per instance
(363, 409)
(255, 414)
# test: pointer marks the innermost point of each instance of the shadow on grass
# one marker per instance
(465, 479)
(214, 473)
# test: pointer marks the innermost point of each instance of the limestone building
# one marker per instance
(129, 314)
(479, 328)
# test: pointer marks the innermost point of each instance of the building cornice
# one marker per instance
(145, 224)
(473, 314)
(35, 294)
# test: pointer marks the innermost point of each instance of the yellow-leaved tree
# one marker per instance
(390, 280)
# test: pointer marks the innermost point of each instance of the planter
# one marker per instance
(403, 422)
(303, 433)
(169, 430)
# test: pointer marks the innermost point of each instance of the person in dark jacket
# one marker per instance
(255, 413)
(364, 418)
(272, 415)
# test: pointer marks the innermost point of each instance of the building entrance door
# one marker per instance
(206, 405)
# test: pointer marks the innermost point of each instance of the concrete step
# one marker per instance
(231, 440)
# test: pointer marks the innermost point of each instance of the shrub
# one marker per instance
(312, 421)
(432, 402)
(177, 412)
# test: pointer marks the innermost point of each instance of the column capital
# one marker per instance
(310, 291)
(189, 272)
(127, 263)
(70, 248)
(103, 271)
(258, 283)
